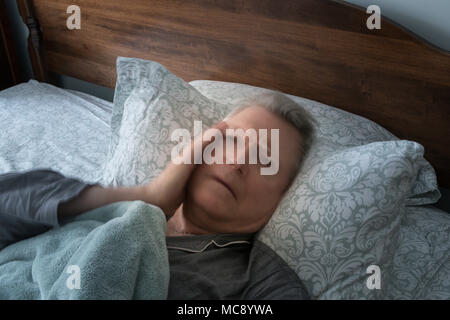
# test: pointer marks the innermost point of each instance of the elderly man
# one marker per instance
(213, 210)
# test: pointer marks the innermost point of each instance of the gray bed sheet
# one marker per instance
(43, 126)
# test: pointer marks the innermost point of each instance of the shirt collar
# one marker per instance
(199, 243)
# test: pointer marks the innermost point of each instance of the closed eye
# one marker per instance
(263, 161)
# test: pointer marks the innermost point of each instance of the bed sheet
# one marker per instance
(421, 268)
(47, 127)
(44, 126)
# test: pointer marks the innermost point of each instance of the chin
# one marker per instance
(205, 201)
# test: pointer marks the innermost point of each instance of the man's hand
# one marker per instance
(168, 190)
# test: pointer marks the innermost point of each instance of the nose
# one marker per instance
(239, 158)
(241, 169)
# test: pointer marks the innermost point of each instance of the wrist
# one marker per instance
(150, 195)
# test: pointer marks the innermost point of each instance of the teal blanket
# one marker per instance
(114, 252)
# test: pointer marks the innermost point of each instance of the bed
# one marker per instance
(317, 50)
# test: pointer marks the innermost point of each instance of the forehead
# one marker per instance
(260, 118)
(257, 118)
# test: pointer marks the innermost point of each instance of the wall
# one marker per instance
(429, 19)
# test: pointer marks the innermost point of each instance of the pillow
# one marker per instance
(149, 103)
(421, 264)
(340, 127)
(355, 182)
(343, 214)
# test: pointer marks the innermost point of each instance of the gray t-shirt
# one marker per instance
(216, 266)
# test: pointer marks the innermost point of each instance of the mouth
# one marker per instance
(226, 186)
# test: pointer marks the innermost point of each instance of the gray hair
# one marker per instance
(288, 110)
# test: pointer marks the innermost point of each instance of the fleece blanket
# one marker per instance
(117, 251)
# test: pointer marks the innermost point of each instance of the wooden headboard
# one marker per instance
(317, 49)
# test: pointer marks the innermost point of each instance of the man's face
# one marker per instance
(236, 198)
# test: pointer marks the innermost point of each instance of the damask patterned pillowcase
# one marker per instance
(149, 103)
(343, 214)
(357, 222)
(421, 265)
(338, 127)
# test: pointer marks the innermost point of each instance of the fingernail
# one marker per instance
(222, 125)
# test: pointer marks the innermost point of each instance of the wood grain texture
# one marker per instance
(35, 47)
(317, 49)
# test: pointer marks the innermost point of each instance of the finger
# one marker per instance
(201, 141)
(222, 126)
(209, 136)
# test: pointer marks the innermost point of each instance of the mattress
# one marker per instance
(47, 127)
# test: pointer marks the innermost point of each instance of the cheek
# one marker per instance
(204, 196)
(263, 194)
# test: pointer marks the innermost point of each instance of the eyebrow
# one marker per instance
(230, 126)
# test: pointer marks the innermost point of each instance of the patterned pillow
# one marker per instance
(149, 103)
(343, 214)
(421, 265)
(337, 126)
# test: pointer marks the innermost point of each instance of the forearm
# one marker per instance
(159, 193)
(167, 191)
(97, 196)
(29, 201)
